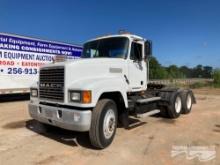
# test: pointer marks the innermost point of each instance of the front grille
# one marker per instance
(51, 85)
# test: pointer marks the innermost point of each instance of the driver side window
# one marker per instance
(136, 52)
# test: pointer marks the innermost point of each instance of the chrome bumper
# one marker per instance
(70, 119)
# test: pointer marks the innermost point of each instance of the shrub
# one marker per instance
(216, 77)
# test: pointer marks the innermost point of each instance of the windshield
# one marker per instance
(115, 47)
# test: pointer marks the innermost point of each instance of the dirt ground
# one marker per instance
(22, 141)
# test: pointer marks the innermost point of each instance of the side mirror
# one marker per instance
(147, 49)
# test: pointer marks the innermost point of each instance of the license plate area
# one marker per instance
(48, 113)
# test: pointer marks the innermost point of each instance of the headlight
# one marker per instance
(75, 96)
(34, 92)
(84, 97)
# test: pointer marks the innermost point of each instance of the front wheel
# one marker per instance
(103, 124)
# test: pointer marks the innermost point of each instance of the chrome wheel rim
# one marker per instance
(178, 104)
(109, 124)
(188, 101)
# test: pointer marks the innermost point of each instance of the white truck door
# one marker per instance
(137, 68)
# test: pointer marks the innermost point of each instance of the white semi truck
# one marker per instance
(105, 86)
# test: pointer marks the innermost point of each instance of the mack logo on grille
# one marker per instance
(51, 85)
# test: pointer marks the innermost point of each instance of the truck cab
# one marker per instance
(107, 84)
(129, 49)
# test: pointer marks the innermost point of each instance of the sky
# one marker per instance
(184, 32)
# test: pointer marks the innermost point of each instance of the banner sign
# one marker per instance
(22, 56)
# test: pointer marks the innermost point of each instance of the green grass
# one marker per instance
(197, 85)
(216, 85)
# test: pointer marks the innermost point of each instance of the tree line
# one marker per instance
(157, 71)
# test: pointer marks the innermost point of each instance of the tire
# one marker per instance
(187, 98)
(104, 117)
(175, 107)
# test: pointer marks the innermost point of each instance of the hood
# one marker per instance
(86, 69)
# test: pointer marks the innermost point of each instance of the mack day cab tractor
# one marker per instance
(106, 85)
